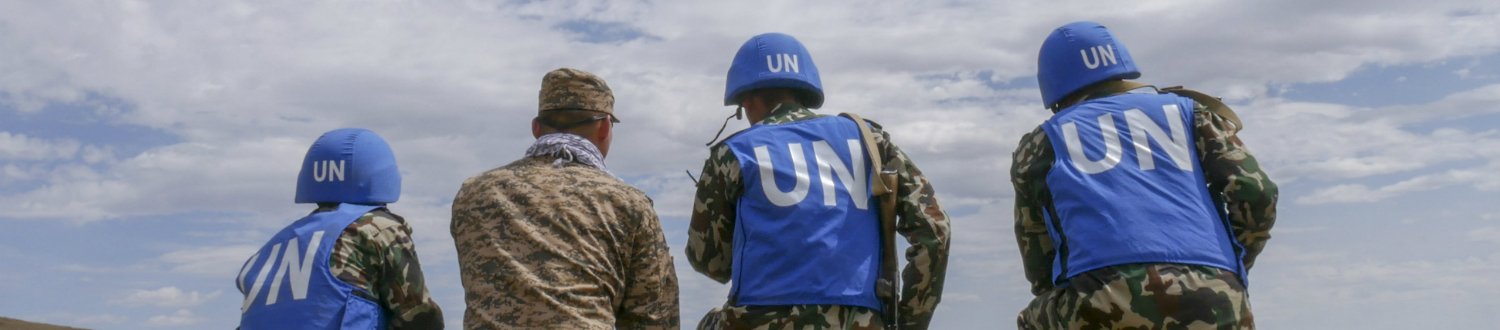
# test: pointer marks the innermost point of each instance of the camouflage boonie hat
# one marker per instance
(573, 89)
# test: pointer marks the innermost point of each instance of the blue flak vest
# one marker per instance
(1127, 187)
(806, 229)
(287, 284)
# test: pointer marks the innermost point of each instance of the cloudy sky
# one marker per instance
(147, 148)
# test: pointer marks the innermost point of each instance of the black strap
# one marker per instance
(738, 114)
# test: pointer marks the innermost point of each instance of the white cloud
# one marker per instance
(182, 317)
(1339, 148)
(14, 147)
(1485, 234)
(672, 194)
(430, 81)
(1295, 230)
(212, 261)
(11, 172)
(1478, 177)
(100, 319)
(1347, 146)
(237, 177)
(1326, 290)
(94, 154)
(1465, 104)
(168, 297)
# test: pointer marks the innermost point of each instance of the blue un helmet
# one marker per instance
(773, 60)
(1078, 55)
(349, 165)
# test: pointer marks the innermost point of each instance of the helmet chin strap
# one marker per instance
(739, 113)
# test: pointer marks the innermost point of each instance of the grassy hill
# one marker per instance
(14, 324)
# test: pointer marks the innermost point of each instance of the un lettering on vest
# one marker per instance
(782, 62)
(295, 264)
(1142, 130)
(1103, 55)
(328, 170)
(851, 177)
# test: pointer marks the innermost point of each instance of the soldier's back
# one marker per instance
(548, 246)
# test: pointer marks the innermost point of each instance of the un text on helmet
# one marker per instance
(829, 164)
(1142, 130)
(328, 170)
(1103, 55)
(782, 62)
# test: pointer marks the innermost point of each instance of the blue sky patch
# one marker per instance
(95, 120)
(600, 32)
(1376, 86)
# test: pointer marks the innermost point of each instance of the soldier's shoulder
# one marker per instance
(503, 172)
(375, 225)
(720, 155)
(383, 218)
(1032, 148)
(722, 146)
(1033, 138)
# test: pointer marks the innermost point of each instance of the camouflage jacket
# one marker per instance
(569, 247)
(1234, 180)
(921, 221)
(376, 253)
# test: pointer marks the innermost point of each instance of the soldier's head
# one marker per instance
(769, 69)
(349, 165)
(1078, 55)
(576, 102)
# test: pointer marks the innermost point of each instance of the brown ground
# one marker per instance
(14, 324)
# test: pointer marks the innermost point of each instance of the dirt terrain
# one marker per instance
(14, 324)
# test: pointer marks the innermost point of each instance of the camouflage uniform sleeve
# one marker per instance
(651, 291)
(376, 253)
(1236, 182)
(925, 225)
(1028, 172)
(710, 247)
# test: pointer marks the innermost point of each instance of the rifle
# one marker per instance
(887, 287)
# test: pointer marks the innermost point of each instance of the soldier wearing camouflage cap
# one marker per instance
(555, 241)
(802, 250)
(1136, 207)
(351, 264)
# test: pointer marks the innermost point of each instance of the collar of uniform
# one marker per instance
(1107, 89)
(786, 113)
(326, 207)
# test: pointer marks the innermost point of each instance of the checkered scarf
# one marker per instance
(567, 147)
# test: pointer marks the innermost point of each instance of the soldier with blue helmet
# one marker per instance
(1136, 207)
(805, 253)
(351, 264)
